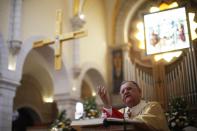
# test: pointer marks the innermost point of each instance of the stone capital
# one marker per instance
(76, 71)
(15, 46)
(8, 84)
(123, 47)
(77, 22)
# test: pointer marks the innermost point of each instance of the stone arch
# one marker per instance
(26, 47)
(38, 72)
(41, 61)
(93, 76)
(47, 55)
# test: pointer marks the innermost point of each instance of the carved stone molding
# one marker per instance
(77, 22)
(15, 46)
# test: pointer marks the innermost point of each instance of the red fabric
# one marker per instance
(115, 113)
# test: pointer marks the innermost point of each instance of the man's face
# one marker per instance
(130, 94)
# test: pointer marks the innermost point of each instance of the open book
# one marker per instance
(103, 121)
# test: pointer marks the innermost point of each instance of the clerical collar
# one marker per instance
(138, 108)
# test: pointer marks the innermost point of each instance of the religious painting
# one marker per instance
(166, 31)
(117, 69)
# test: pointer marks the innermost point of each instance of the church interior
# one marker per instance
(55, 53)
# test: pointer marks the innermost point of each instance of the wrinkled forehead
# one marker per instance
(125, 84)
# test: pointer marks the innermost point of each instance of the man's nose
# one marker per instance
(125, 92)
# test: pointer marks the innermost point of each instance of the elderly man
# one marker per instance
(150, 113)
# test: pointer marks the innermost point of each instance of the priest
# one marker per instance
(149, 113)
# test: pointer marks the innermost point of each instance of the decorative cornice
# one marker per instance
(62, 97)
(124, 47)
(8, 84)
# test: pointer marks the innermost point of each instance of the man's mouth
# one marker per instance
(126, 96)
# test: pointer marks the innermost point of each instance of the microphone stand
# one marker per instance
(124, 121)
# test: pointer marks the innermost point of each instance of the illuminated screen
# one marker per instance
(166, 31)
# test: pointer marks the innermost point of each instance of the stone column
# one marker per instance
(14, 32)
(64, 102)
(77, 23)
(15, 19)
(68, 101)
(7, 93)
(126, 62)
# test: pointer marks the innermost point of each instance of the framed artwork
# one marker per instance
(166, 31)
(117, 69)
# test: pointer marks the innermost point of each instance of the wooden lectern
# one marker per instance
(109, 124)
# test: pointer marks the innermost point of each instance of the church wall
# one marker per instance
(93, 48)
(111, 10)
(38, 21)
(41, 21)
(39, 17)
